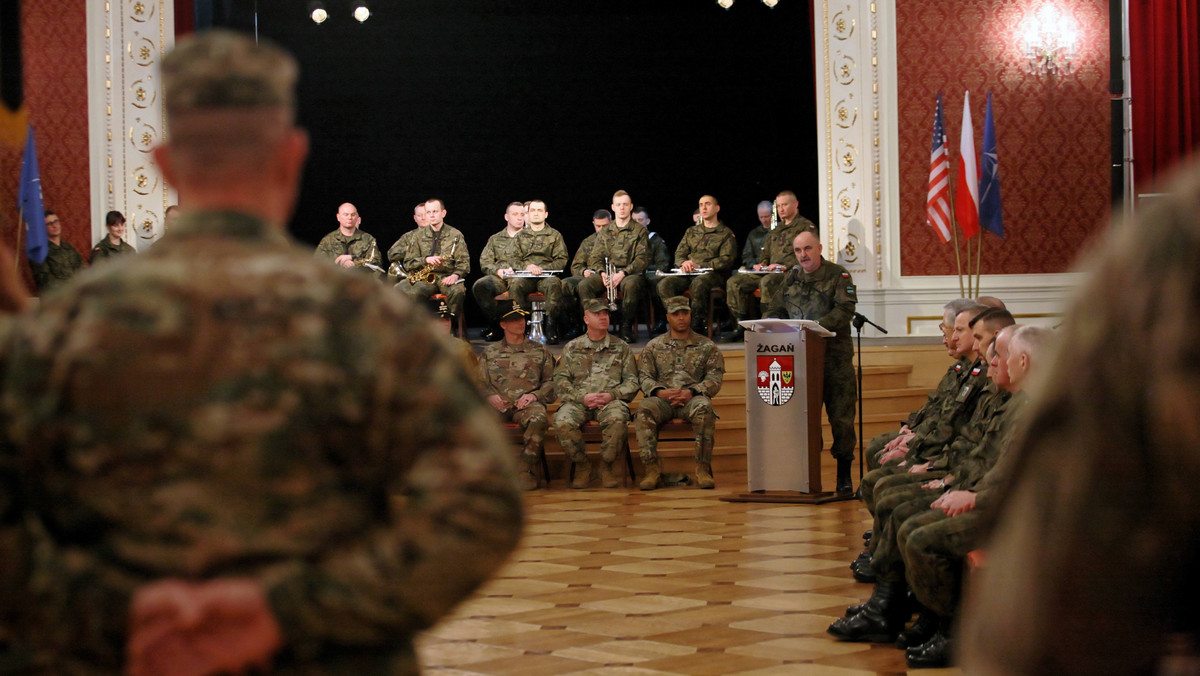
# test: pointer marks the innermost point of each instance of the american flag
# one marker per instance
(937, 206)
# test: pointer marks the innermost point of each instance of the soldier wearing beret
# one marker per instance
(680, 372)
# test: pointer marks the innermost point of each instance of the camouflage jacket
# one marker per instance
(660, 257)
(544, 248)
(947, 387)
(694, 362)
(777, 247)
(420, 246)
(997, 477)
(973, 470)
(513, 370)
(579, 263)
(395, 253)
(714, 248)
(938, 430)
(627, 248)
(281, 421)
(106, 249)
(752, 251)
(62, 261)
(969, 430)
(501, 251)
(827, 296)
(588, 366)
(361, 247)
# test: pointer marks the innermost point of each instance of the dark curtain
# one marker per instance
(1164, 41)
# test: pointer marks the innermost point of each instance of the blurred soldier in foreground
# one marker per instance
(680, 372)
(295, 469)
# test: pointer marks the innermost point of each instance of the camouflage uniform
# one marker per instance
(105, 249)
(515, 370)
(282, 421)
(660, 260)
(627, 250)
(501, 251)
(753, 249)
(546, 249)
(694, 363)
(714, 248)
(361, 247)
(62, 261)
(395, 255)
(777, 250)
(420, 246)
(588, 366)
(570, 285)
(828, 297)
(945, 391)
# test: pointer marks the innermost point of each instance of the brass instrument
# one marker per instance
(366, 261)
(609, 271)
(426, 274)
(396, 271)
(774, 214)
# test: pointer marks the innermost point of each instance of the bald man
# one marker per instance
(348, 246)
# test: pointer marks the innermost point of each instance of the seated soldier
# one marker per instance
(708, 244)
(680, 372)
(595, 379)
(617, 265)
(517, 379)
(572, 310)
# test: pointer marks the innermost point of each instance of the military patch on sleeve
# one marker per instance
(975, 371)
(958, 368)
(850, 289)
(846, 275)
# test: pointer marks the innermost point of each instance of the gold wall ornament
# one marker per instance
(143, 93)
(843, 25)
(847, 156)
(145, 180)
(847, 115)
(843, 69)
(142, 12)
(850, 251)
(848, 201)
(141, 51)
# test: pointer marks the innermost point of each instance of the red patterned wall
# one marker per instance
(1052, 131)
(54, 57)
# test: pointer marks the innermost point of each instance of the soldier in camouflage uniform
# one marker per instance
(756, 238)
(777, 258)
(396, 251)
(659, 261)
(541, 248)
(442, 247)
(680, 372)
(62, 260)
(824, 292)
(113, 245)
(517, 378)
(708, 244)
(595, 380)
(349, 246)
(571, 300)
(295, 468)
(499, 258)
(624, 246)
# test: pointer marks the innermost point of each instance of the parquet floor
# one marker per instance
(674, 581)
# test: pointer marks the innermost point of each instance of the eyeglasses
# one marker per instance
(52, 222)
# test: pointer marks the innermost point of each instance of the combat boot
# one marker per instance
(737, 335)
(583, 474)
(653, 474)
(934, 653)
(628, 331)
(921, 631)
(608, 474)
(881, 619)
(844, 484)
(551, 330)
(704, 477)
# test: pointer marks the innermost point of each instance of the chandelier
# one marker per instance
(1048, 42)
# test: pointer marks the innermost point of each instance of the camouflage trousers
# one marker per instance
(698, 286)
(841, 401)
(485, 289)
(933, 546)
(875, 448)
(421, 291)
(550, 287)
(739, 292)
(614, 428)
(901, 496)
(870, 482)
(654, 411)
(632, 288)
(571, 312)
(534, 421)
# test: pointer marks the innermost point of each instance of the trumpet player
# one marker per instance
(439, 254)
(624, 246)
(348, 246)
(498, 260)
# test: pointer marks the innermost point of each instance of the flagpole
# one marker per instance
(979, 264)
(954, 234)
(21, 223)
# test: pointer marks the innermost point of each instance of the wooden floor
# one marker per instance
(673, 581)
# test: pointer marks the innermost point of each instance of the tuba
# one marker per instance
(426, 273)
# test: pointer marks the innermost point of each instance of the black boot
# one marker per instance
(628, 331)
(551, 330)
(862, 570)
(844, 483)
(881, 619)
(493, 332)
(934, 653)
(921, 631)
(737, 335)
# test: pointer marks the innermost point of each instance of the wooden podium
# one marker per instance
(785, 368)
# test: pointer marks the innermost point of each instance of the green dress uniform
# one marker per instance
(715, 248)
(62, 262)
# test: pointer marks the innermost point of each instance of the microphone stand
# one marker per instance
(857, 322)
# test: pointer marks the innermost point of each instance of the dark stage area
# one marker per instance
(483, 102)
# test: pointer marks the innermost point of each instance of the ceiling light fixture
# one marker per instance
(361, 11)
(317, 12)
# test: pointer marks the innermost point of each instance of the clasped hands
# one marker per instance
(675, 396)
(501, 404)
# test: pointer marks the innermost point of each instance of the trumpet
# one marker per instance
(609, 271)
(426, 274)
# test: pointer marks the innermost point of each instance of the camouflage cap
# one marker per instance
(596, 305)
(223, 69)
(677, 304)
(440, 308)
(514, 312)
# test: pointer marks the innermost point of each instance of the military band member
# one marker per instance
(517, 379)
(62, 260)
(596, 378)
(442, 250)
(660, 261)
(708, 244)
(680, 372)
(541, 248)
(113, 245)
(395, 253)
(573, 328)
(756, 238)
(499, 258)
(349, 246)
(623, 246)
(824, 292)
(777, 256)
